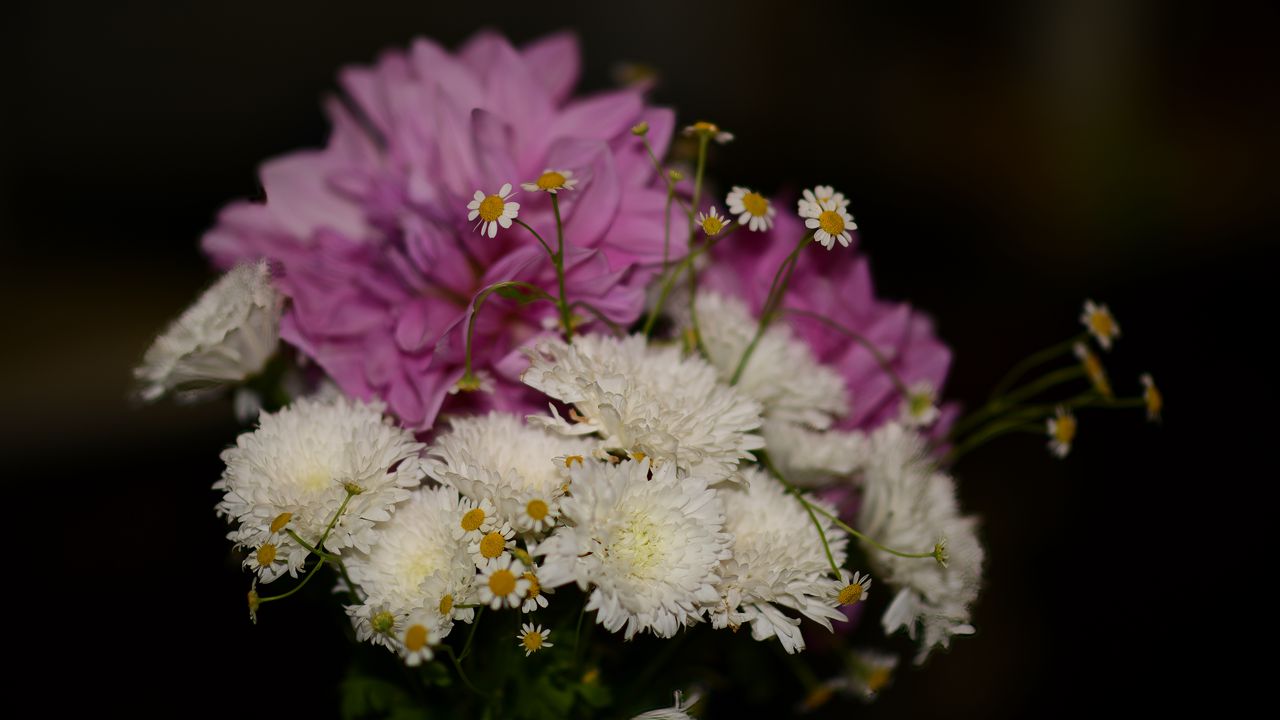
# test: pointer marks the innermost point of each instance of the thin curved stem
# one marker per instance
(306, 579)
(776, 290)
(614, 327)
(862, 340)
(462, 674)
(808, 506)
(537, 292)
(1033, 360)
(989, 433)
(566, 321)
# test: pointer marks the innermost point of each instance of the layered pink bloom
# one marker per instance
(369, 235)
(837, 285)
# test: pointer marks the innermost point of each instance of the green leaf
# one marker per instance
(366, 697)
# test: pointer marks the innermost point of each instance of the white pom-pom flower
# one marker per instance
(227, 336)
(647, 401)
(647, 544)
(778, 562)
(304, 464)
(909, 505)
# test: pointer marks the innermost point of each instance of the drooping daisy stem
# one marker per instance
(1030, 418)
(703, 139)
(305, 579)
(462, 674)
(991, 432)
(808, 507)
(1010, 400)
(469, 380)
(781, 279)
(321, 556)
(1034, 360)
(557, 260)
(471, 634)
(862, 340)
(668, 283)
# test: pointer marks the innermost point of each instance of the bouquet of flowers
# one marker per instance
(537, 377)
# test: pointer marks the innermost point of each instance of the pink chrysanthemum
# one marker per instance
(370, 234)
(838, 286)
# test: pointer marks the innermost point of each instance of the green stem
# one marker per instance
(334, 520)
(307, 578)
(670, 280)
(550, 253)
(614, 327)
(577, 635)
(808, 507)
(537, 292)
(566, 320)
(703, 139)
(666, 225)
(662, 172)
(776, 290)
(457, 665)
(988, 433)
(880, 359)
(870, 541)
(1034, 360)
(471, 634)
(1031, 389)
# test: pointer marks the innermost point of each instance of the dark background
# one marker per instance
(1004, 162)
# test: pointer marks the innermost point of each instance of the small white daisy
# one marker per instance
(267, 560)
(493, 210)
(711, 222)
(829, 220)
(492, 544)
(537, 597)
(857, 588)
(708, 129)
(227, 336)
(1100, 323)
(869, 673)
(1062, 431)
(1094, 369)
(552, 181)
(1151, 395)
(418, 633)
(502, 582)
(537, 514)
(822, 197)
(920, 406)
(753, 209)
(475, 519)
(533, 638)
(377, 624)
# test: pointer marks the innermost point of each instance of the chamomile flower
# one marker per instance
(1062, 431)
(377, 624)
(1100, 323)
(870, 671)
(492, 544)
(711, 222)
(502, 582)
(821, 197)
(537, 597)
(708, 130)
(267, 561)
(621, 389)
(778, 563)
(753, 209)
(1152, 397)
(644, 542)
(305, 462)
(475, 519)
(828, 219)
(552, 181)
(856, 588)
(1094, 369)
(537, 514)
(533, 638)
(418, 633)
(227, 336)
(493, 211)
(920, 406)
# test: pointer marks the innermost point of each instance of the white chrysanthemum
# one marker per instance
(778, 562)
(649, 548)
(502, 582)
(497, 458)
(302, 464)
(753, 209)
(811, 458)
(417, 561)
(493, 210)
(781, 373)
(649, 399)
(227, 336)
(492, 544)
(675, 712)
(533, 638)
(908, 504)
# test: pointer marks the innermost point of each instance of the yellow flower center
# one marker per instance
(473, 519)
(712, 224)
(266, 554)
(383, 622)
(1064, 430)
(534, 588)
(446, 604)
(502, 583)
(831, 222)
(491, 545)
(491, 208)
(532, 641)
(920, 403)
(638, 456)
(551, 180)
(850, 594)
(415, 638)
(1155, 402)
(1102, 324)
(703, 126)
(281, 520)
(818, 697)
(755, 204)
(536, 509)
(570, 460)
(878, 678)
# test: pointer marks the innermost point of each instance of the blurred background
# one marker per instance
(1005, 161)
